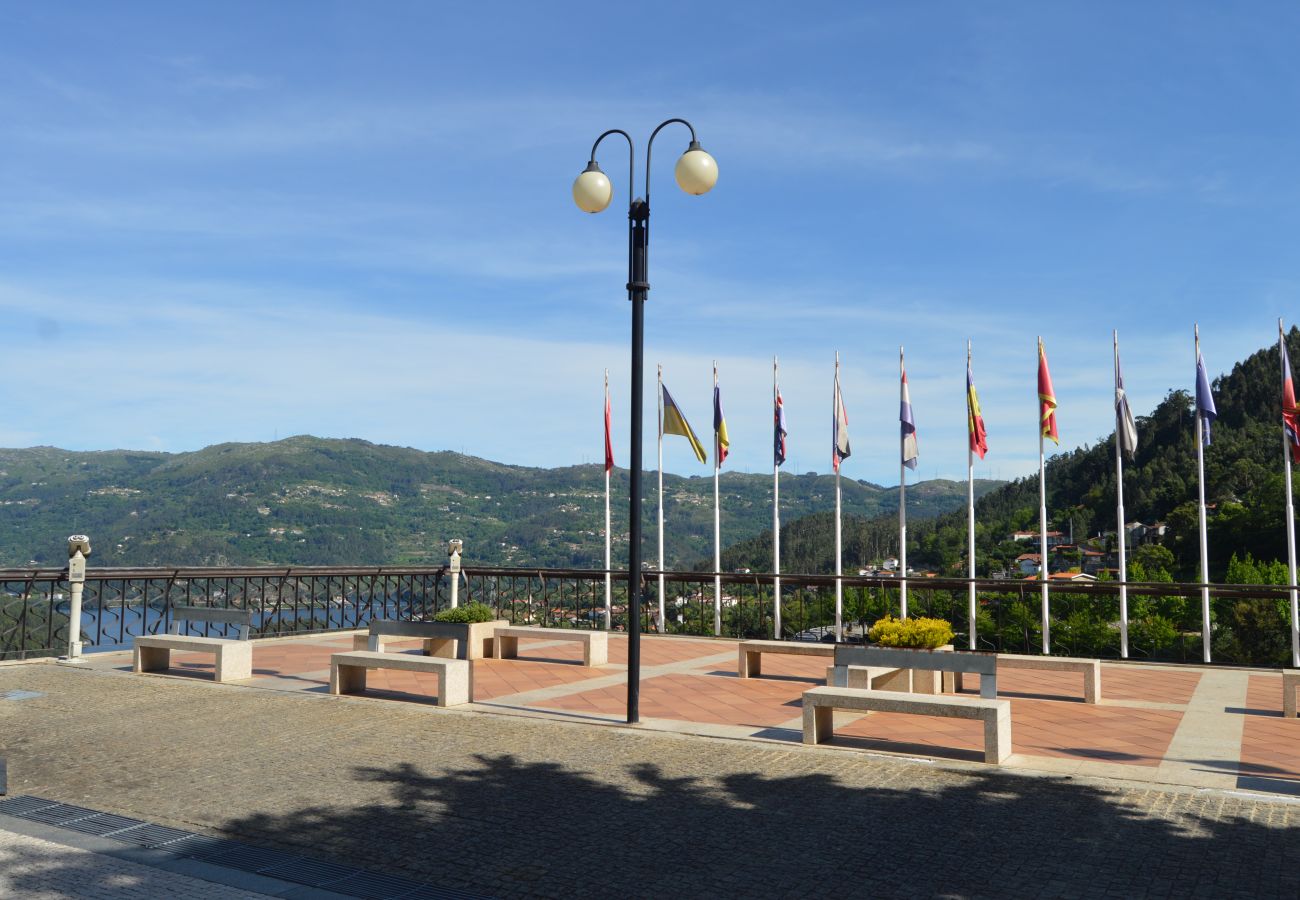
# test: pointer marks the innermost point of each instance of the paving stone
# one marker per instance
(517, 807)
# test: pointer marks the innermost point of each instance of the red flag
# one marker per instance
(1290, 415)
(609, 444)
(1046, 398)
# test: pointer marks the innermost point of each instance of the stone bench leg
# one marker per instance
(818, 724)
(750, 663)
(505, 648)
(595, 652)
(235, 661)
(1289, 686)
(444, 647)
(454, 686)
(1092, 684)
(997, 736)
(346, 679)
(152, 659)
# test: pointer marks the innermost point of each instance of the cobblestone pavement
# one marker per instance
(36, 869)
(512, 806)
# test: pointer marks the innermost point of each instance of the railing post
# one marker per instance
(78, 550)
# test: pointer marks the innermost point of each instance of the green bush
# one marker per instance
(919, 633)
(469, 613)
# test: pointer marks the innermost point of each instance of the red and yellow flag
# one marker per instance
(1046, 398)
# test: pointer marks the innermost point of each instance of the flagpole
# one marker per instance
(1290, 508)
(1200, 495)
(776, 512)
(717, 518)
(662, 623)
(839, 556)
(902, 508)
(1119, 512)
(1042, 521)
(970, 505)
(608, 581)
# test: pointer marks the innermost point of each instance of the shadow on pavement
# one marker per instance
(504, 826)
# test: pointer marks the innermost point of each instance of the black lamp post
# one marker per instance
(696, 173)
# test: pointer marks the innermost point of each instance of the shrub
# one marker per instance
(920, 633)
(470, 612)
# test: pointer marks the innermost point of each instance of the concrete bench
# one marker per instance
(880, 678)
(450, 639)
(234, 658)
(909, 662)
(1290, 684)
(1089, 668)
(750, 662)
(820, 703)
(455, 676)
(595, 644)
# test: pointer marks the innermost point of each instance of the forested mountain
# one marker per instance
(312, 501)
(1244, 488)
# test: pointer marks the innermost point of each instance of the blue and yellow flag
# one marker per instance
(675, 423)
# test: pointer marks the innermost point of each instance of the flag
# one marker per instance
(1204, 399)
(1046, 398)
(675, 423)
(721, 440)
(1290, 415)
(1125, 429)
(778, 430)
(609, 443)
(907, 425)
(839, 429)
(974, 421)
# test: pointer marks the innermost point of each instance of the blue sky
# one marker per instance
(250, 220)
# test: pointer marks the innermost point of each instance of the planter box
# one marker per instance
(463, 640)
(918, 681)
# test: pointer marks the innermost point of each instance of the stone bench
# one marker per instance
(880, 678)
(595, 644)
(1290, 684)
(455, 676)
(1090, 669)
(460, 640)
(234, 658)
(750, 662)
(820, 703)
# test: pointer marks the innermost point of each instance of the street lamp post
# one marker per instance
(696, 173)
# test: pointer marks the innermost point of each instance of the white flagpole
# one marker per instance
(902, 510)
(662, 623)
(1042, 520)
(839, 556)
(1290, 516)
(717, 519)
(776, 514)
(1119, 513)
(1200, 496)
(970, 507)
(608, 582)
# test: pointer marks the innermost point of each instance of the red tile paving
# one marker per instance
(1049, 718)
(753, 702)
(1161, 684)
(1270, 744)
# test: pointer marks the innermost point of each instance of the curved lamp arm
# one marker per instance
(650, 146)
(631, 158)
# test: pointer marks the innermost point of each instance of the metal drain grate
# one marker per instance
(21, 805)
(337, 878)
(102, 824)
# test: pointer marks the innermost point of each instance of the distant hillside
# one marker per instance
(312, 501)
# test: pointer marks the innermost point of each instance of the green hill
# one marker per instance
(312, 501)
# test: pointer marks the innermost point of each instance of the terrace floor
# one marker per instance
(1181, 782)
(1197, 727)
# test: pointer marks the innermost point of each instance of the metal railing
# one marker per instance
(1249, 623)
